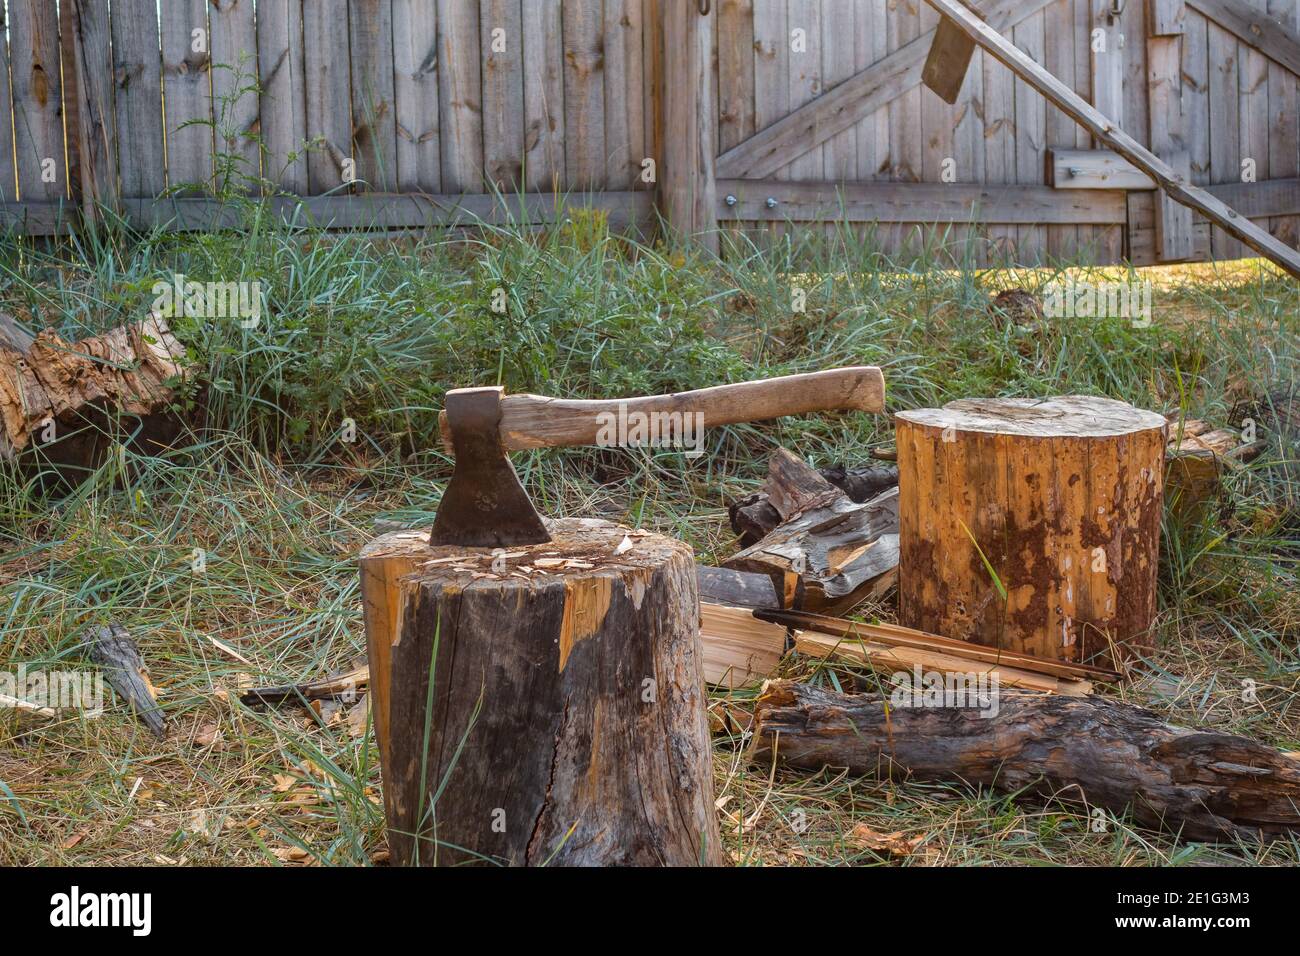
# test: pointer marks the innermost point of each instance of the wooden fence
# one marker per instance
(750, 117)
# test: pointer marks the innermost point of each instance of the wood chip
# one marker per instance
(548, 562)
(625, 545)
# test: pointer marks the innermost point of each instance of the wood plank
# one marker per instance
(1253, 26)
(543, 96)
(95, 112)
(415, 96)
(37, 100)
(1093, 169)
(616, 122)
(1271, 198)
(948, 61)
(1284, 122)
(1166, 17)
(57, 218)
(919, 202)
(735, 72)
(584, 93)
(631, 26)
(329, 93)
(783, 134)
(374, 114)
(71, 97)
(502, 50)
(8, 174)
(1252, 82)
(687, 179)
(137, 73)
(1108, 73)
(186, 92)
(460, 96)
(1030, 38)
(235, 103)
(839, 62)
(999, 149)
(873, 129)
(626, 210)
(905, 120)
(1058, 59)
(283, 108)
(1196, 117)
(1225, 126)
(1165, 114)
(1118, 140)
(806, 78)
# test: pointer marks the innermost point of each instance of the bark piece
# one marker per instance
(564, 703)
(345, 686)
(1032, 525)
(1203, 784)
(114, 650)
(736, 588)
(62, 402)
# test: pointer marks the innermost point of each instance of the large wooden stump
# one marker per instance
(550, 711)
(1060, 499)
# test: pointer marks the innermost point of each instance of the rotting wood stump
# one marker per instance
(565, 723)
(1059, 498)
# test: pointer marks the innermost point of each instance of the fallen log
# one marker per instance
(347, 686)
(62, 403)
(1200, 784)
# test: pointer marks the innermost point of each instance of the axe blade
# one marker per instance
(484, 505)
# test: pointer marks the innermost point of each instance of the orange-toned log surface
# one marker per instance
(1062, 497)
(566, 719)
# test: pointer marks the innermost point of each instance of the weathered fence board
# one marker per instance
(186, 42)
(283, 106)
(235, 105)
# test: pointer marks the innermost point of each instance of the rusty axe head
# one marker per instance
(484, 506)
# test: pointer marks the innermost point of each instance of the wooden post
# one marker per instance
(1031, 525)
(687, 186)
(566, 720)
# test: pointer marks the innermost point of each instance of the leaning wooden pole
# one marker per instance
(1203, 784)
(1063, 97)
(542, 706)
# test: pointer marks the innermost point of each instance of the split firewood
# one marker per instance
(114, 650)
(831, 556)
(736, 588)
(894, 635)
(739, 649)
(792, 487)
(1196, 459)
(1202, 784)
(61, 402)
(347, 685)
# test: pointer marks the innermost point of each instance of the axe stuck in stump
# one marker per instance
(537, 685)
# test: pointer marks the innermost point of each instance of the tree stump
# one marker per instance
(1060, 499)
(566, 720)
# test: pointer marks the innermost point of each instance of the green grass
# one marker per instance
(374, 330)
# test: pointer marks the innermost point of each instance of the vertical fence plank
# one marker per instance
(37, 100)
(584, 94)
(235, 106)
(329, 93)
(374, 123)
(543, 96)
(839, 62)
(1058, 58)
(71, 98)
(97, 137)
(735, 72)
(501, 47)
(283, 106)
(873, 132)
(806, 77)
(687, 186)
(1165, 113)
(460, 96)
(652, 53)
(186, 97)
(1252, 78)
(1224, 126)
(137, 73)
(1284, 122)
(771, 72)
(415, 96)
(8, 180)
(999, 148)
(1196, 117)
(1031, 126)
(624, 123)
(938, 146)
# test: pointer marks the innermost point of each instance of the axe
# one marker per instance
(485, 506)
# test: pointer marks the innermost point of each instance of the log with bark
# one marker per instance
(829, 553)
(1202, 784)
(64, 404)
(1032, 525)
(542, 705)
(112, 648)
(1196, 458)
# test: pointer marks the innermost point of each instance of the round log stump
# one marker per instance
(545, 708)
(1061, 497)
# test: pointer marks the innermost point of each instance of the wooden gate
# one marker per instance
(821, 115)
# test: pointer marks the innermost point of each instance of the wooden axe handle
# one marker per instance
(535, 421)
